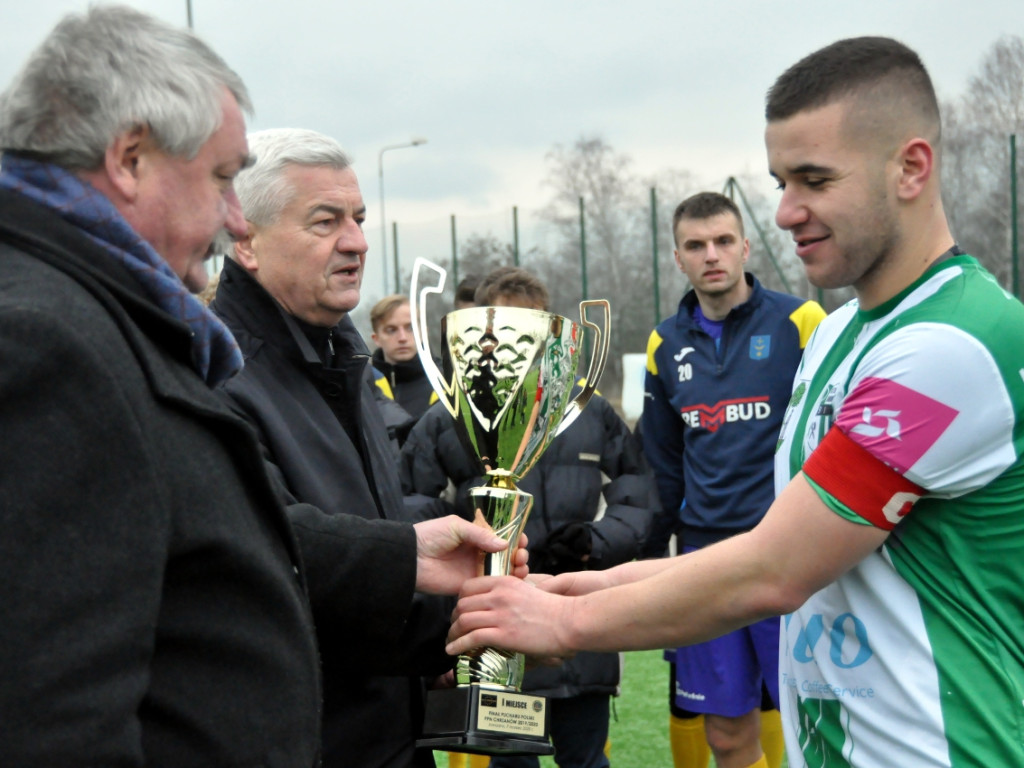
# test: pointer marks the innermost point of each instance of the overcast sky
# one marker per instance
(494, 84)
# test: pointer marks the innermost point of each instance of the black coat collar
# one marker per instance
(255, 317)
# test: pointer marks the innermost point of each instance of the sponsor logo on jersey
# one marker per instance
(844, 641)
(894, 423)
(711, 417)
(760, 347)
(874, 424)
(841, 643)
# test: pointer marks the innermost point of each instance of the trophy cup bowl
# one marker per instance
(508, 380)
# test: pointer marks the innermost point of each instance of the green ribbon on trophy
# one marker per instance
(508, 379)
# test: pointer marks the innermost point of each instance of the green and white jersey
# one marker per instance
(915, 657)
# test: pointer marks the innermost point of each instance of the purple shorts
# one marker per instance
(724, 676)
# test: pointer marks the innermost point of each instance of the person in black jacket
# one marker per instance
(401, 380)
(156, 609)
(396, 355)
(286, 292)
(567, 528)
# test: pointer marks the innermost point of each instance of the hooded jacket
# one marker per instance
(407, 383)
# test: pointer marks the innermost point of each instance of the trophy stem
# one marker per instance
(505, 509)
(486, 712)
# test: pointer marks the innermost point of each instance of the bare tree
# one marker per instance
(615, 236)
(479, 254)
(671, 187)
(976, 156)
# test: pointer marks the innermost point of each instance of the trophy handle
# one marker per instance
(598, 358)
(418, 309)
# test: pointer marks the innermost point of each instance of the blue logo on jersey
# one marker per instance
(847, 640)
(760, 347)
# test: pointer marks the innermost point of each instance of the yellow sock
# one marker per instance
(608, 748)
(689, 745)
(772, 742)
(466, 760)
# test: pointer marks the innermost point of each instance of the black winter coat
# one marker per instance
(323, 433)
(408, 382)
(154, 607)
(567, 484)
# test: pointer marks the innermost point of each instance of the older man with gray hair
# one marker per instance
(155, 609)
(286, 292)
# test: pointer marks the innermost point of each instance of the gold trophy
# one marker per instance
(508, 378)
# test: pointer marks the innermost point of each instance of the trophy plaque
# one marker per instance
(508, 379)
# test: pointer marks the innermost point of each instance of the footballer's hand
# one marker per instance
(510, 613)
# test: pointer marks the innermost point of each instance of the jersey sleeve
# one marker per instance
(663, 434)
(926, 412)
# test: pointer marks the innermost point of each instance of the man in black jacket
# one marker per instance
(396, 355)
(567, 527)
(285, 293)
(155, 605)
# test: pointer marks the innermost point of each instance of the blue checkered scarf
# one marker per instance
(215, 354)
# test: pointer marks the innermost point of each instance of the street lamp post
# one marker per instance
(414, 142)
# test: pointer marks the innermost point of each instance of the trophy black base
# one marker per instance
(485, 721)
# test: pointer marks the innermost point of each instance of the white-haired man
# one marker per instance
(286, 293)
